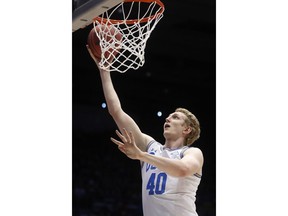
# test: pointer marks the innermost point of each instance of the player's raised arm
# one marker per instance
(122, 119)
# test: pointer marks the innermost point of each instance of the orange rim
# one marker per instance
(131, 21)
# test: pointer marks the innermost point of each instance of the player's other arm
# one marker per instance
(191, 162)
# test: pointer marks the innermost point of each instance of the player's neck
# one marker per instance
(174, 144)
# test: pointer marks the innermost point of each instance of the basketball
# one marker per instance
(109, 37)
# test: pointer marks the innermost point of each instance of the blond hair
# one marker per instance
(193, 122)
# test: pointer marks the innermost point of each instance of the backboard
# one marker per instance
(86, 10)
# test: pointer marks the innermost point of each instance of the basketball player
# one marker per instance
(171, 172)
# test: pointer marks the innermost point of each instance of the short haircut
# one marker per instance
(193, 122)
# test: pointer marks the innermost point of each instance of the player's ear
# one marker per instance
(187, 130)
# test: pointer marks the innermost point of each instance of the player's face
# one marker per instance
(175, 123)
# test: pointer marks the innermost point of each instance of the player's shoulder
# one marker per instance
(193, 151)
(196, 154)
(149, 141)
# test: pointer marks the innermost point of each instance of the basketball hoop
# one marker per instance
(135, 20)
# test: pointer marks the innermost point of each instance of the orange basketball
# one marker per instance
(94, 42)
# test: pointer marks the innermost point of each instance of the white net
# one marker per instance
(123, 32)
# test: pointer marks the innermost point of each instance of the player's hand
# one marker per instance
(91, 54)
(128, 145)
(106, 63)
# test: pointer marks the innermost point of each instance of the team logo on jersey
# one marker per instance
(174, 155)
(153, 151)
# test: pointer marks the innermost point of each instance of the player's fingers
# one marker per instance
(127, 135)
(91, 54)
(121, 149)
(89, 50)
(116, 142)
(121, 136)
(132, 137)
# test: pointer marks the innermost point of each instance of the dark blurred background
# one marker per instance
(180, 71)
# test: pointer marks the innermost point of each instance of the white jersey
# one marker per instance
(165, 195)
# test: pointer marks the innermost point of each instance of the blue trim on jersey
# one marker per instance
(149, 144)
(197, 175)
(183, 150)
